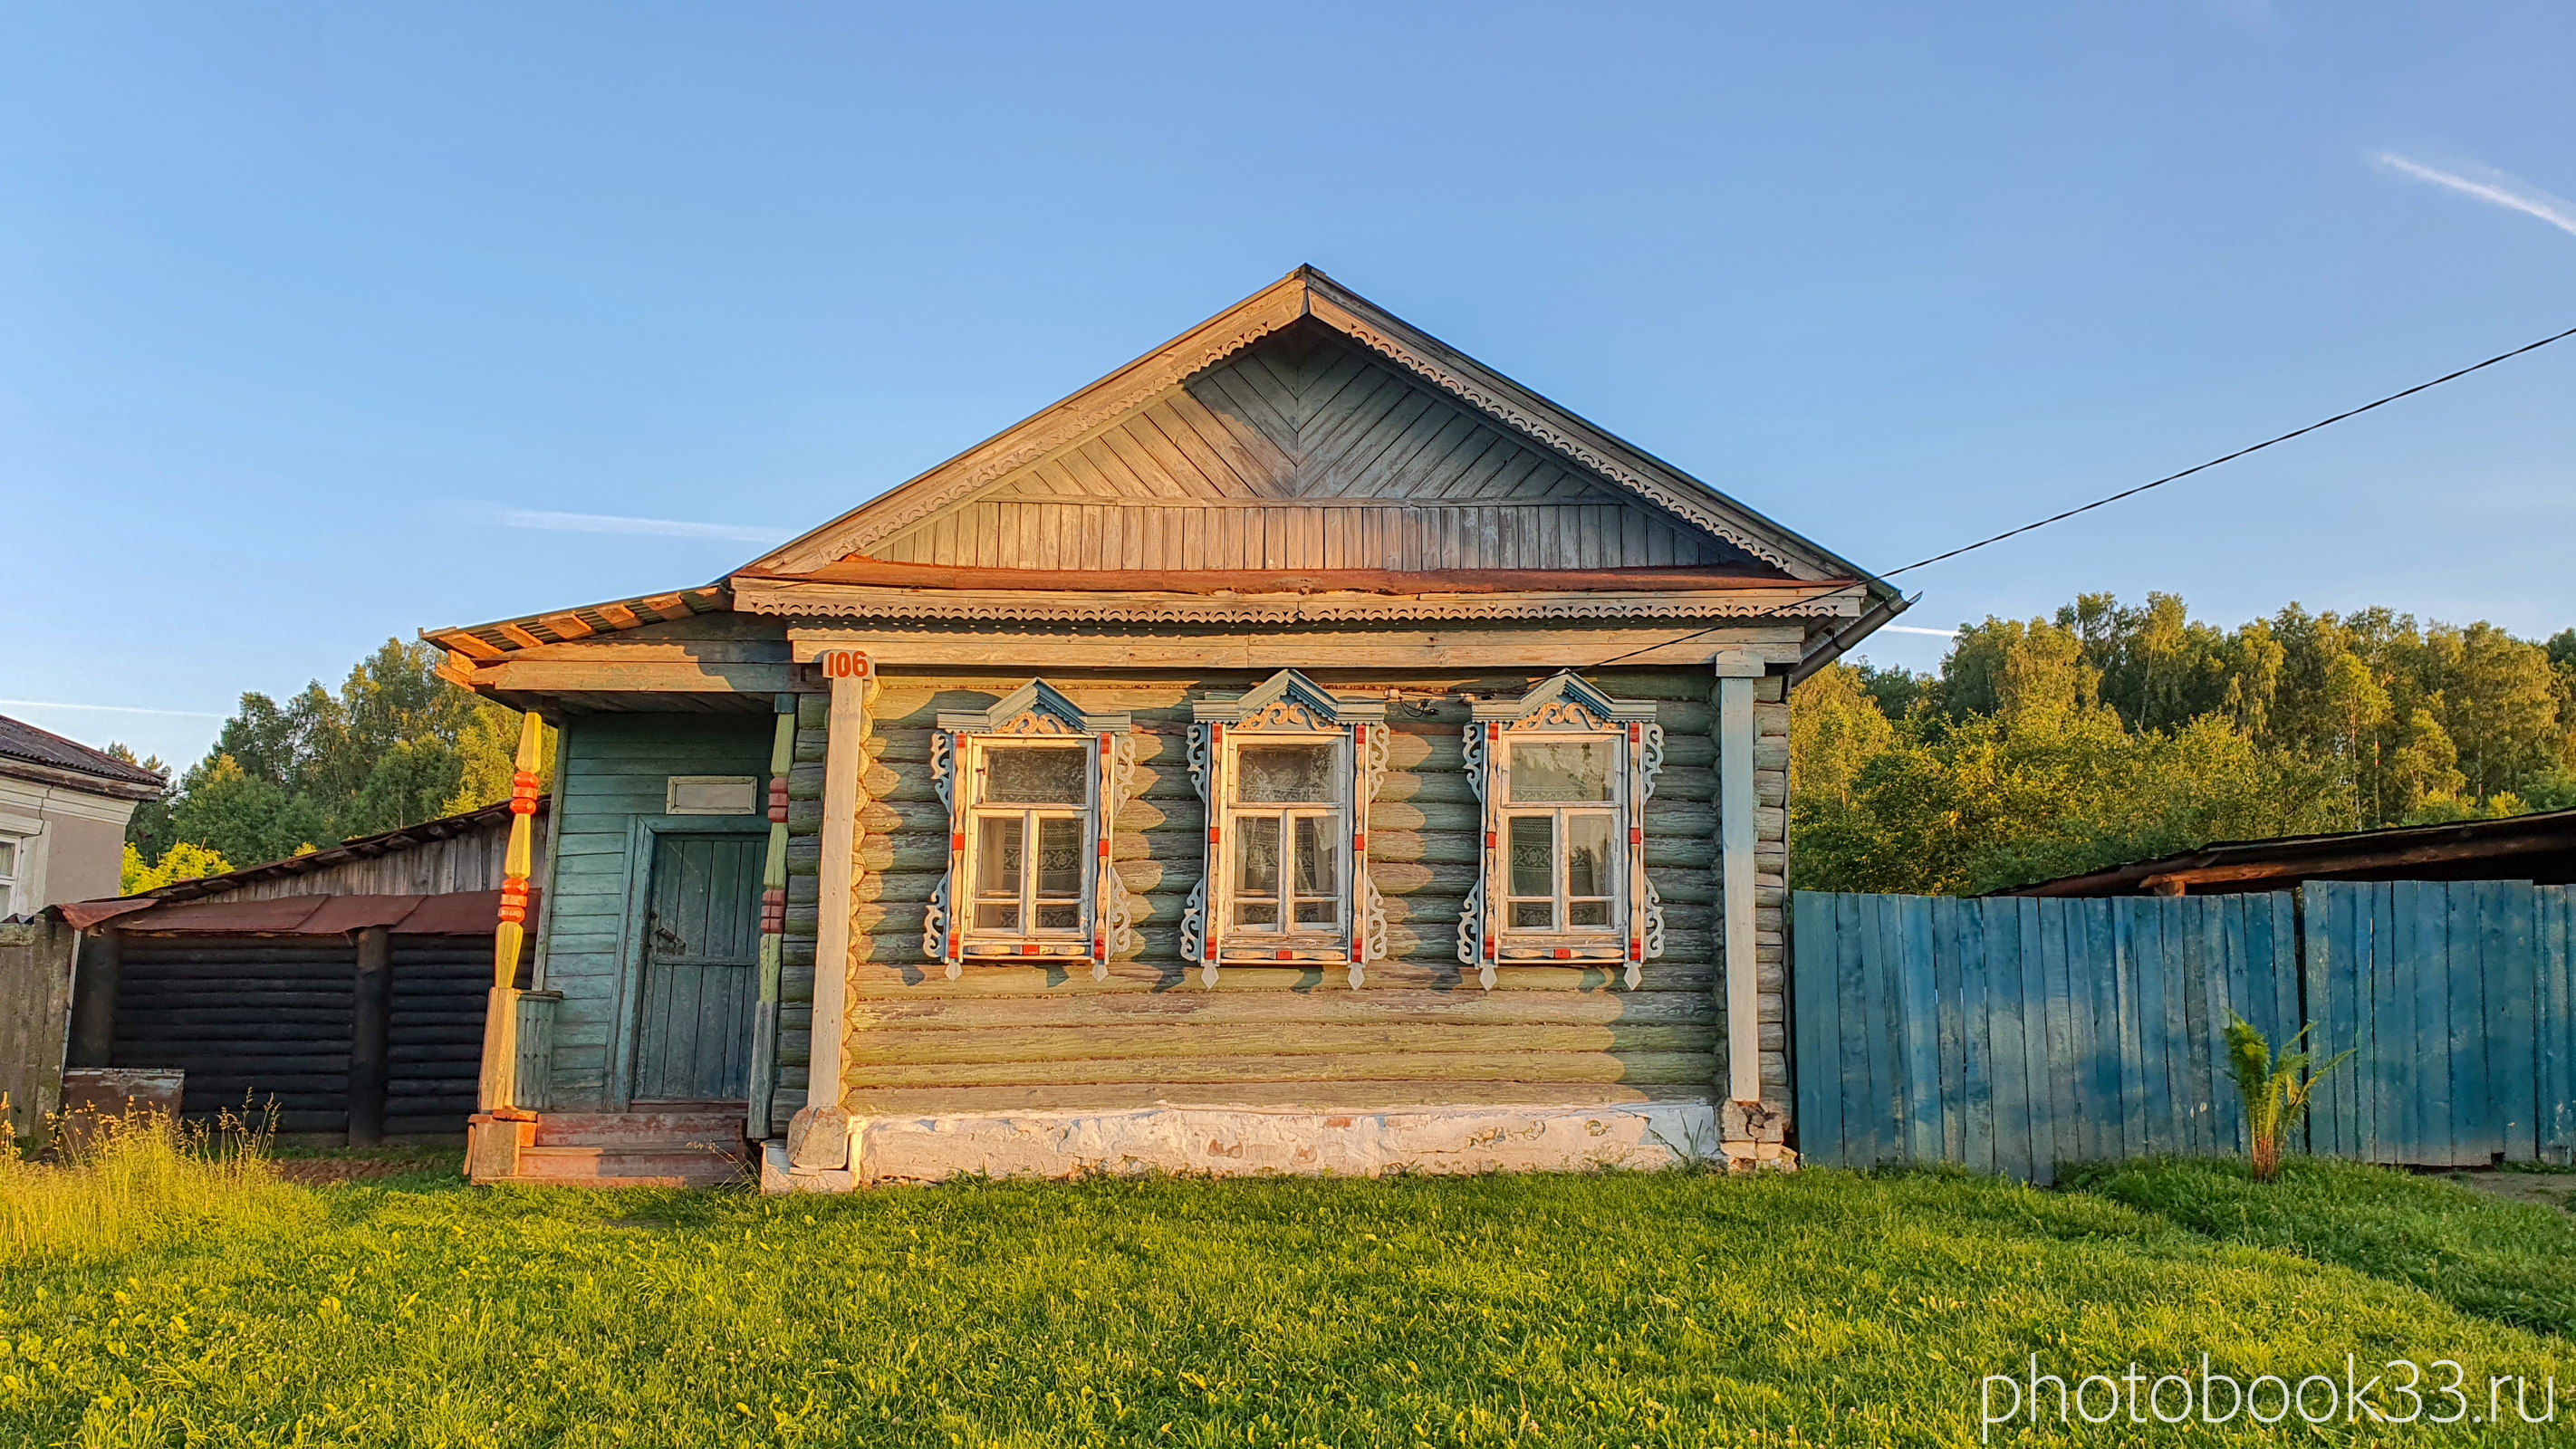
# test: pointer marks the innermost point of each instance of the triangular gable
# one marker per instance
(1035, 708)
(1562, 700)
(1289, 698)
(1089, 444)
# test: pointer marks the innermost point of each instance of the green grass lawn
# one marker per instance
(2510, 1261)
(1614, 1310)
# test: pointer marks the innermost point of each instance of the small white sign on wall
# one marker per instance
(712, 795)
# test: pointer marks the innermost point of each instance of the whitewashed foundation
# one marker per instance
(1244, 1141)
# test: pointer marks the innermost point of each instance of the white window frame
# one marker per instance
(1035, 715)
(15, 877)
(1286, 709)
(982, 815)
(1563, 709)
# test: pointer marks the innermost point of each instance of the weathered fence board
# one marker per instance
(2453, 997)
(2012, 1035)
(35, 1005)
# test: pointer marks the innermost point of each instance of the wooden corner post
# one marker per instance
(818, 1136)
(1741, 1115)
(497, 1131)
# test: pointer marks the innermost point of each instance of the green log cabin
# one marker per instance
(1302, 750)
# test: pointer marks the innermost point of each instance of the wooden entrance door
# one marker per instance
(701, 973)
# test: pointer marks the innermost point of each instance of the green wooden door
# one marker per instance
(701, 969)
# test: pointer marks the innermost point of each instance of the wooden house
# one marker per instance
(1303, 749)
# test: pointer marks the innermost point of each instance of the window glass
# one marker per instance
(1295, 774)
(1560, 770)
(1256, 863)
(1587, 855)
(1315, 863)
(8, 858)
(998, 852)
(1533, 855)
(1036, 775)
(1060, 856)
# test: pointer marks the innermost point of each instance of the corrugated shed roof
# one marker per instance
(20, 740)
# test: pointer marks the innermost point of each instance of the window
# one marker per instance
(1030, 823)
(1032, 786)
(1563, 774)
(1287, 772)
(9, 847)
(1286, 823)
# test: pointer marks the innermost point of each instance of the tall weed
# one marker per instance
(143, 1179)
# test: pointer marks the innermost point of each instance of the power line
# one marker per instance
(2108, 499)
(2232, 457)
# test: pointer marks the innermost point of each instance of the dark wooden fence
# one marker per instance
(269, 1023)
(2011, 1035)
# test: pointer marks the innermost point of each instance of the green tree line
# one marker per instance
(2046, 747)
(395, 746)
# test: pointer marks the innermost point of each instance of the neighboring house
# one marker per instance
(1303, 749)
(63, 808)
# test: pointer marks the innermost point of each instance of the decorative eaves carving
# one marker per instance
(849, 601)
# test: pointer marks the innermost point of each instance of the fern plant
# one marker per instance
(2276, 1093)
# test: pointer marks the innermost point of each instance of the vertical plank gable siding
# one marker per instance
(1038, 1037)
(615, 769)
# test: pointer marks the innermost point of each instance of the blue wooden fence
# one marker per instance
(2010, 1035)
(2454, 998)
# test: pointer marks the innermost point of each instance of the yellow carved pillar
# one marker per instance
(500, 1129)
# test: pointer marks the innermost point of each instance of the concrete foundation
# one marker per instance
(1245, 1141)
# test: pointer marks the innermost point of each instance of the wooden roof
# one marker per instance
(1301, 457)
(2538, 847)
(1301, 412)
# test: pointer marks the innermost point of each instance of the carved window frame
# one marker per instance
(1288, 707)
(1034, 712)
(1565, 707)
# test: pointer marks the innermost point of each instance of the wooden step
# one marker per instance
(718, 1125)
(657, 1166)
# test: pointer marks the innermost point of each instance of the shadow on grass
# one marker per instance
(2511, 1262)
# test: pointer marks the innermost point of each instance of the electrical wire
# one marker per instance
(2102, 501)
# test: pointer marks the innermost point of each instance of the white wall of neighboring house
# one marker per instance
(68, 844)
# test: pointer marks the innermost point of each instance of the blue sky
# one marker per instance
(300, 305)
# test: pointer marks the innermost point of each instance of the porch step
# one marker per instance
(660, 1165)
(721, 1126)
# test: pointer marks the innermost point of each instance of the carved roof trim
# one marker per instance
(792, 599)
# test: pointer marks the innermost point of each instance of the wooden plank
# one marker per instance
(1851, 957)
(1976, 1040)
(2555, 1029)
(1099, 1045)
(2011, 1055)
(2136, 940)
(2040, 1085)
(1069, 1007)
(2066, 1028)
(2467, 1006)
(1657, 1068)
(1817, 1071)
(2422, 945)
(2511, 911)
(1949, 1042)
(1882, 960)
(1918, 1005)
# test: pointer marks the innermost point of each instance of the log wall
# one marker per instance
(1418, 1032)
